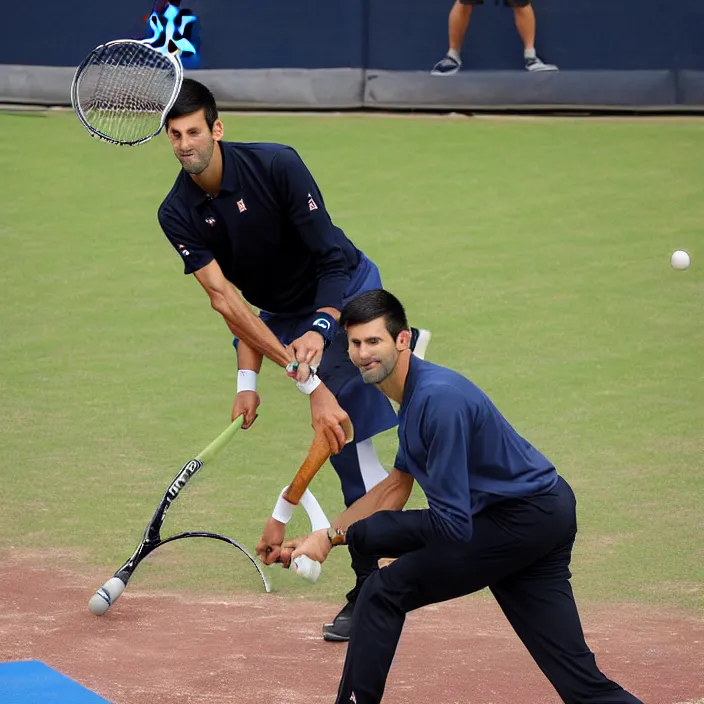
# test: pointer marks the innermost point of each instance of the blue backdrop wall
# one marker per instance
(377, 34)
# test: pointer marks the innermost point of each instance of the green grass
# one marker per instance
(537, 251)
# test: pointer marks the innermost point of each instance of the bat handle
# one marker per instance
(315, 459)
(318, 454)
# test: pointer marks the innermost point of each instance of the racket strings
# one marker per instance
(124, 90)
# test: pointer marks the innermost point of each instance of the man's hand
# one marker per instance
(327, 416)
(315, 545)
(269, 547)
(246, 404)
(308, 349)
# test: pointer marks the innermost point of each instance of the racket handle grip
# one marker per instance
(106, 596)
(307, 568)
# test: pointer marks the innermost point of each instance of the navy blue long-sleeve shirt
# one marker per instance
(463, 453)
(268, 229)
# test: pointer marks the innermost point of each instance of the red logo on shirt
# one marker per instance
(311, 203)
(242, 207)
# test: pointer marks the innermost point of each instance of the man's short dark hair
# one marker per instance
(372, 305)
(194, 96)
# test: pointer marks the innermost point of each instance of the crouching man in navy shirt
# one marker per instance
(498, 516)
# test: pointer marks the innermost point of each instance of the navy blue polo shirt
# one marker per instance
(268, 229)
(464, 454)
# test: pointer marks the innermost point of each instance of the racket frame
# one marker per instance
(152, 539)
(172, 55)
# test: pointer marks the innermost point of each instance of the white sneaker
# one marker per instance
(534, 64)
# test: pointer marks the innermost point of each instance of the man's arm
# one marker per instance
(327, 415)
(247, 357)
(247, 400)
(239, 318)
(305, 207)
(303, 203)
(391, 494)
(309, 347)
(387, 497)
(199, 260)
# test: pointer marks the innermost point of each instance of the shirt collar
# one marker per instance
(230, 178)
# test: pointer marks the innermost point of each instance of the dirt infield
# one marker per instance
(159, 649)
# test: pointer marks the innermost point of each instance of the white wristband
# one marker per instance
(309, 385)
(246, 380)
(283, 511)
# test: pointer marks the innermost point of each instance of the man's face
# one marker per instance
(193, 142)
(373, 351)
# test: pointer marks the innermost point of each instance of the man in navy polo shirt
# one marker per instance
(251, 217)
(498, 516)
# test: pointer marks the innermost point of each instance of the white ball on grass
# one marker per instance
(680, 260)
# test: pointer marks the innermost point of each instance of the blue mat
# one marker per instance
(33, 682)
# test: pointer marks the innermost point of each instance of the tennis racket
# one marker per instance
(123, 90)
(110, 592)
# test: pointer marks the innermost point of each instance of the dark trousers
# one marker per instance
(521, 550)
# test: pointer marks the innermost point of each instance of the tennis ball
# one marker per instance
(680, 260)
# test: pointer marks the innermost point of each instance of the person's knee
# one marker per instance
(520, 7)
(384, 592)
